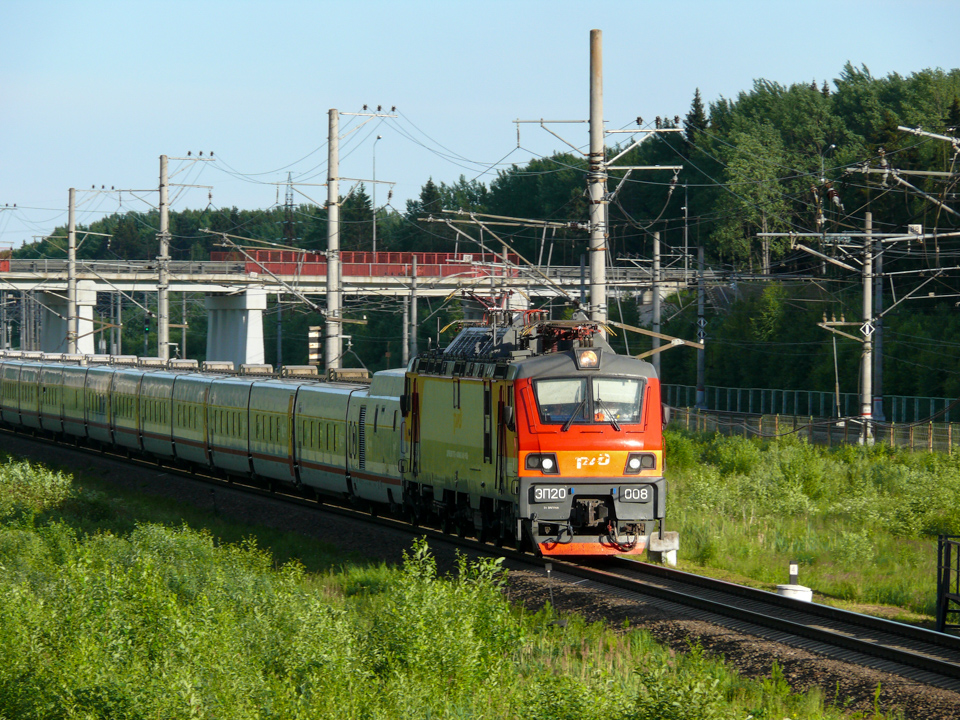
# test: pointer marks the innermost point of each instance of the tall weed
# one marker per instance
(752, 506)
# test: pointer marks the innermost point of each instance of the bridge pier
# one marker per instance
(235, 326)
(53, 333)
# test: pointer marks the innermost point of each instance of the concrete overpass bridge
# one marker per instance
(236, 286)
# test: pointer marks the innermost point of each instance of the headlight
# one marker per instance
(588, 358)
(639, 461)
(544, 462)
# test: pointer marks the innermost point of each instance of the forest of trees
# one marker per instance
(774, 159)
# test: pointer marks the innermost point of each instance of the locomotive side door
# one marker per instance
(414, 428)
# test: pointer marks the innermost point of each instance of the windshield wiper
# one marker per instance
(613, 421)
(569, 422)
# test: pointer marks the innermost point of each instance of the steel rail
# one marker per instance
(935, 653)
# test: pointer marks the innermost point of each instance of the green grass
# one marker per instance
(861, 521)
(116, 608)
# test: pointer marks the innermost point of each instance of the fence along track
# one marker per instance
(898, 409)
(930, 436)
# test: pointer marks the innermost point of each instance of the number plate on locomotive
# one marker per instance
(641, 494)
(543, 494)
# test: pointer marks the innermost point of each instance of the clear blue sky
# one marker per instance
(92, 93)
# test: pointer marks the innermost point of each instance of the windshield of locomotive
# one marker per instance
(603, 400)
(617, 399)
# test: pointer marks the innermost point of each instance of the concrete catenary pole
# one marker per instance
(597, 183)
(656, 300)
(379, 138)
(332, 346)
(878, 415)
(73, 326)
(414, 348)
(279, 331)
(184, 323)
(405, 355)
(866, 370)
(701, 335)
(163, 281)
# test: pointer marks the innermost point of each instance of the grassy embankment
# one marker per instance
(862, 521)
(116, 608)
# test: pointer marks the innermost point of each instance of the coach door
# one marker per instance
(356, 438)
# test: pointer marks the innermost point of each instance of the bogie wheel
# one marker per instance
(488, 530)
(412, 517)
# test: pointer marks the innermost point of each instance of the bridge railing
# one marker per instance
(353, 264)
(116, 267)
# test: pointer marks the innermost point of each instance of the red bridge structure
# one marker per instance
(381, 264)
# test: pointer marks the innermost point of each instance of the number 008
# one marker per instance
(636, 494)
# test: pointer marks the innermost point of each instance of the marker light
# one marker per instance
(547, 464)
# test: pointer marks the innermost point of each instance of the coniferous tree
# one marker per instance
(696, 119)
(356, 221)
(953, 116)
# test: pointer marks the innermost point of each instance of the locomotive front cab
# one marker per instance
(590, 454)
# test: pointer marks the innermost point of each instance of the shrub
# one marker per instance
(732, 454)
(683, 690)
(681, 450)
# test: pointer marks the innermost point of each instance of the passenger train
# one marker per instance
(534, 433)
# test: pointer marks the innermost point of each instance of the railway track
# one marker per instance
(900, 649)
(908, 651)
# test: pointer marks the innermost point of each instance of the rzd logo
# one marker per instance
(601, 459)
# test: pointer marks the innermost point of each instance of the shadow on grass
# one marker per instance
(97, 504)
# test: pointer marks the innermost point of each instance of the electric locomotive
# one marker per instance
(532, 432)
(538, 433)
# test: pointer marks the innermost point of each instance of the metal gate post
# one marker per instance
(943, 579)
